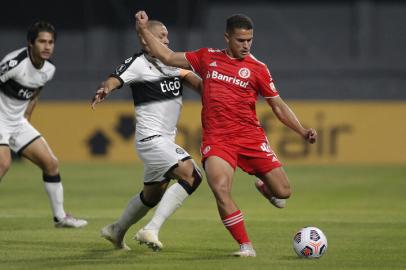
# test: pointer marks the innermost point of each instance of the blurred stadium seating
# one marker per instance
(316, 50)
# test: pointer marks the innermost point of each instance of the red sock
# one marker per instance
(235, 225)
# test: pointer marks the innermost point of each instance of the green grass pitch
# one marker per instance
(361, 209)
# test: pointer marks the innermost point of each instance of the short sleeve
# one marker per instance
(127, 71)
(6, 69)
(266, 84)
(195, 59)
(3, 71)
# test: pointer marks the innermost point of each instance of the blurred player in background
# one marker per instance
(232, 134)
(23, 73)
(157, 93)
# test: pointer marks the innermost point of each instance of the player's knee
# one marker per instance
(148, 200)
(152, 193)
(51, 166)
(221, 188)
(193, 182)
(4, 166)
(223, 196)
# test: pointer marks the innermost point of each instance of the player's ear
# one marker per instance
(227, 37)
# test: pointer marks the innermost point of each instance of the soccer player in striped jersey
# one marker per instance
(157, 94)
(23, 73)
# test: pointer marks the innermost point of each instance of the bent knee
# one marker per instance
(150, 199)
(191, 182)
(188, 173)
(51, 166)
(4, 166)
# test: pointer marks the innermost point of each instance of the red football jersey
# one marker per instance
(230, 90)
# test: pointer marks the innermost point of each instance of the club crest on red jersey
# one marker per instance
(244, 73)
(206, 150)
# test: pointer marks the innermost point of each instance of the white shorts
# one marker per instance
(18, 135)
(160, 154)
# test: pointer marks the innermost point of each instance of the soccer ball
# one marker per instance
(310, 242)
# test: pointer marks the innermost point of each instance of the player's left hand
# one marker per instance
(311, 135)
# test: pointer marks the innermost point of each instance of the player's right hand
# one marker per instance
(141, 19)
(311, 135)
(100, 95)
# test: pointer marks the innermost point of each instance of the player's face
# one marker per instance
(43, 46)
(239, 42)
(161, 33)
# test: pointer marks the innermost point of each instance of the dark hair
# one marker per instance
(239, 21)
(37, 27)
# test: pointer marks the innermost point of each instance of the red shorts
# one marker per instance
(252, 156)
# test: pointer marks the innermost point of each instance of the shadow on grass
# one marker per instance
(49, 254)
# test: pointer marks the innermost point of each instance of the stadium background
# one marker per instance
(341, 65)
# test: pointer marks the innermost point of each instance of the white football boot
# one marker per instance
(70, 222)
(261, 187)
(112, 234)
(246, 250)
(150, 238)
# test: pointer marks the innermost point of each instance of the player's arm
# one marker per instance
(30, 108)
(193, 81)
(105, 89)
(31, 105)
(288, 117)
(160, 51)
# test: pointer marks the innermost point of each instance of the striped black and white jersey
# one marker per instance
(19, 80)
(157, 94)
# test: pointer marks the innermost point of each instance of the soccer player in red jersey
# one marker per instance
(232, 135)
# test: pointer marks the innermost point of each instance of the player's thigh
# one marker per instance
(22, 135)
(5, 159)
(5, 154)
(219, 174)
(27, 141)
(41, 154)
(278, 182)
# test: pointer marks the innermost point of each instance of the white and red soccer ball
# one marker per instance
(310, 242)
